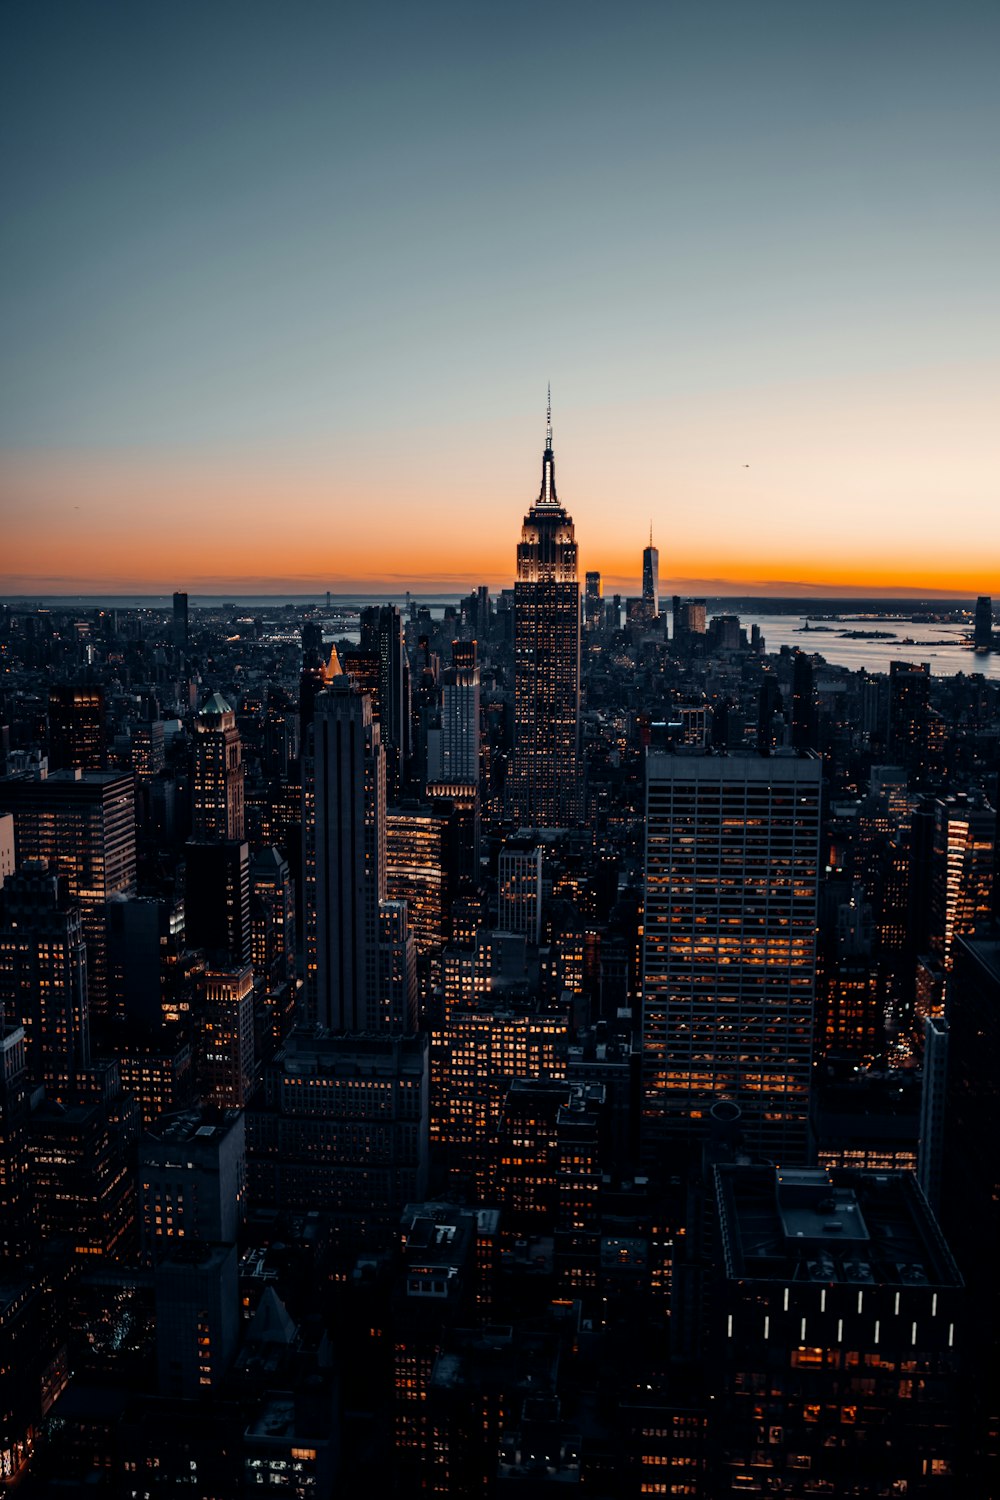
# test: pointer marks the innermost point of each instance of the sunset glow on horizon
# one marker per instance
(280, 308)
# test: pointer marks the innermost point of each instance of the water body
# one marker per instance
(923, 643)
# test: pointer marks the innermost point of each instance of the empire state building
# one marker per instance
(544, 782)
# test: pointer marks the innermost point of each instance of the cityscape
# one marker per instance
(499, 960)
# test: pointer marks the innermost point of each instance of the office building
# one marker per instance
(650, 579)
(961, 871)
(16, 1198)
(593, 602)
(82, 825)
(76, 727)
(398, 995)
(983, 626)
(217, 789)
(192, 1179)
(341, 1126)
(837, 1329)
(732, 851)
(459, 759)
(43, 977)
(382, 642)
(197, 1318)
(272, 920)
(419, 851)
(543, 788)
(225, 1053)
(179, 623)
(519, 899)
(217, 900)
(348, 876)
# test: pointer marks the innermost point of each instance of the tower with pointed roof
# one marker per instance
(650, 579)
(544, 781)
(218, 773)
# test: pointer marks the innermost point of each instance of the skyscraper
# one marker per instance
(179, 629)
(983, 627)
(350, 861)
(382, 640)
(545, 772)
(82, 824)
(732, 870)
(43, 977)
(650, 579)
(460, 718)
(218, 773)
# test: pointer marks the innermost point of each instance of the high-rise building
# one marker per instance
(419, 851)
(197, 1317)
(382, 640)
(348, 878)
(217, 899)
(180, 622)
(961, 870)
(732, 873)
(460, 718)
(544, 779)
(593, 602)
(16, 1202)
(76, 727)
(398, 1006)
(225, 1036)
(43, 977)
(983, 628)
(650, 579)
(192, 1179)
(82, 825)
(803, 703)
(217, 792)
(519, 895)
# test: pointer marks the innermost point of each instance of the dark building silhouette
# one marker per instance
(983, 627)
(76, 727)
(803, 703)
(179, 630)
(382, 642)
(346, 880)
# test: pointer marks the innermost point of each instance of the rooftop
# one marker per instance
(854, 1227)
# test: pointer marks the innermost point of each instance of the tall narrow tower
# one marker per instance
(544, 783)
(350, 862)
(651, 578)
(218, 772)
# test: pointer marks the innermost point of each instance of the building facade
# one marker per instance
(732, 871)
(544, 781)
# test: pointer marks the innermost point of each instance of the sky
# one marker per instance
(282, 286)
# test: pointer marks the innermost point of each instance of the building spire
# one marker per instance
(547, 494)
(651, 532)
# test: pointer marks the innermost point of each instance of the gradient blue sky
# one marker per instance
(298, 273)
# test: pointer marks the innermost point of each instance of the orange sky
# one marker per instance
(889, 487)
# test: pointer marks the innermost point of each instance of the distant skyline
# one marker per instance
(282, 289)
